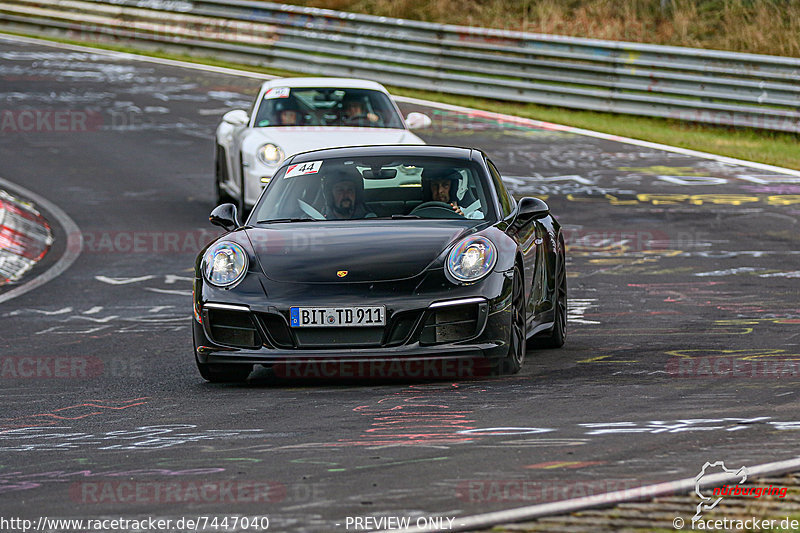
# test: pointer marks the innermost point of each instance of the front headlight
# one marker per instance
(224, 264)
(270, 154)
(472, 259)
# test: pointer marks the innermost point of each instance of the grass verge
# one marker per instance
(774, 148)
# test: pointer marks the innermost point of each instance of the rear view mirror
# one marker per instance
(380, 173)
(225, 216)
(416, 121)
(530, 207)
(237, 117)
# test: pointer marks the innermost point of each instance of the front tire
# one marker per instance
(513, 361)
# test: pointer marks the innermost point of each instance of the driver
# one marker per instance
(288, 113)
(354, 112)
(441, 186)
(344, 196)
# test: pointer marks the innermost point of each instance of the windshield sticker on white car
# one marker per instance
(312, 167)
(277, 92)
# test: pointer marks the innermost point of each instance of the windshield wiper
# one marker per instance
(405, 216)
(277, 220)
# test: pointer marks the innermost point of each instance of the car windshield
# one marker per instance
(323, 106)
(398, 188)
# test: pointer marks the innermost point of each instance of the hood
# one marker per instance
(370, 251)
(296, 139)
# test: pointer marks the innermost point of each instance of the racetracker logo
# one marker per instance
(49, 121)
(615, 241)
(146, 242)
(732, 367)
(49, 367)
(180, 492)
(392, 370)
(541, 491)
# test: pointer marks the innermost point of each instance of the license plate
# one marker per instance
(309, 317)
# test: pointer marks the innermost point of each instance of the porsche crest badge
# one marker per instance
(341, 273)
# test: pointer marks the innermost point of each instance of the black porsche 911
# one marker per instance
(380, 254)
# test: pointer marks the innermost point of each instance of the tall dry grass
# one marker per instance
(755, 26)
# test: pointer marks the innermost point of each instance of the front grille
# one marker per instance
(451, 323)
(233, 328)
(338, 337)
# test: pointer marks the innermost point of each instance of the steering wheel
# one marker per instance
(357, 119)
(437, 209)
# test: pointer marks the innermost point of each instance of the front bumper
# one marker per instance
(467, 324)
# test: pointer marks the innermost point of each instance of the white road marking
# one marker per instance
(122, 281)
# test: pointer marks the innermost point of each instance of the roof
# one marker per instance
(344, 83)
(399, 150)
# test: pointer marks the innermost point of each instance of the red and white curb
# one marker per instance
(73, 245)
(25, 238)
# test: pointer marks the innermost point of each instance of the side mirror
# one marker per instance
(530, 207)
(225, 216)
(237, 117)
(416, 121)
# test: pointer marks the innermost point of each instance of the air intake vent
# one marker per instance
(233, 328)
(451, 323)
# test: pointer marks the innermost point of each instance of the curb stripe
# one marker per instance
(25, 238)
(73, 246)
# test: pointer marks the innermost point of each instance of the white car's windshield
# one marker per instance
(375, 187)
(323, 106)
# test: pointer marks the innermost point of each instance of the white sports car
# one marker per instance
(293, 115)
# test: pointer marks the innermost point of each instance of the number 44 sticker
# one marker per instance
(312, 167)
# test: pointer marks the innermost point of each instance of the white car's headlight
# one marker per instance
(225, 264)
(270, 154)
(472, 259)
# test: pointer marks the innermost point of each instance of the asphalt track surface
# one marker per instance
(673, 261)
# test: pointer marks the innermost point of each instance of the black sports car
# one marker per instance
(380, 255)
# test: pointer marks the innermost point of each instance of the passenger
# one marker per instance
(344, 196)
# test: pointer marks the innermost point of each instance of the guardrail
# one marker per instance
(698, 85)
